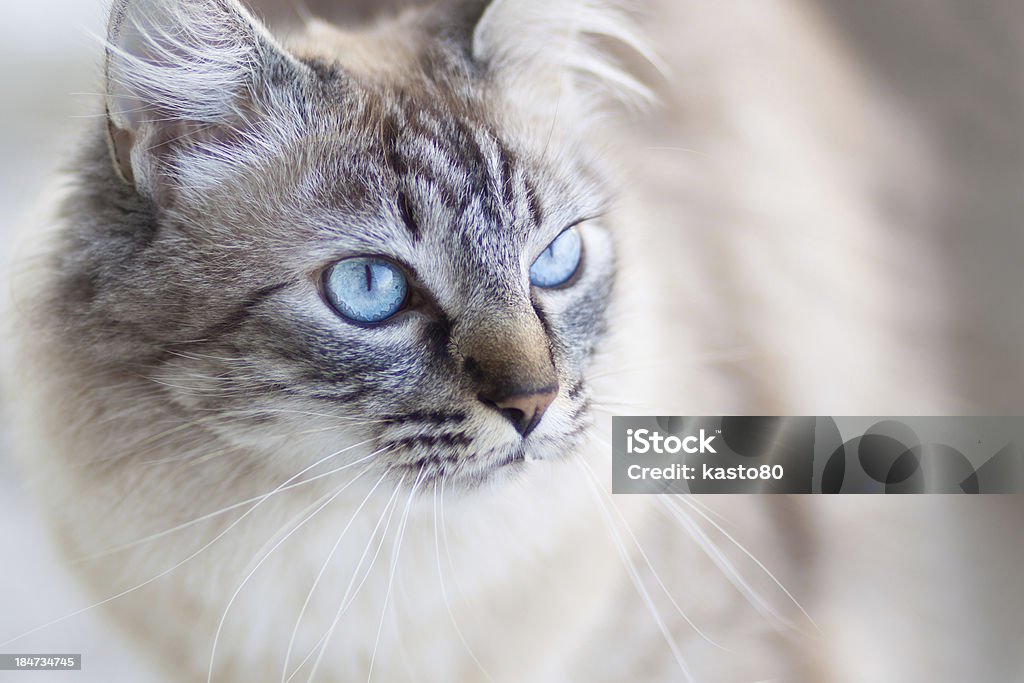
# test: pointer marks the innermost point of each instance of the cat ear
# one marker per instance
(185, 73)
(569, 41)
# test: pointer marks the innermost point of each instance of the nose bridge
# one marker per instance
(508, 359)
(507, 353)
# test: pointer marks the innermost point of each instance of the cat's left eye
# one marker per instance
(366, 290)
(559, 262)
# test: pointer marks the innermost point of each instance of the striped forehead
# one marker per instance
(454, 173)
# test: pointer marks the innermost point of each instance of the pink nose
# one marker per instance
(524, 409)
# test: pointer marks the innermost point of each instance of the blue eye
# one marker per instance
(366, 290)
(559, 262)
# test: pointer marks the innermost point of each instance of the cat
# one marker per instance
(321, 348)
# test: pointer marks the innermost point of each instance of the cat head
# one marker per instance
(392, 242)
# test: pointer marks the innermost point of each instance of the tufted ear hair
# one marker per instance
(188, 74)
(571, 41)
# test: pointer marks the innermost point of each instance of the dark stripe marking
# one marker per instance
(241, 314)
(408, 217)
(536, 210)
(506, 164)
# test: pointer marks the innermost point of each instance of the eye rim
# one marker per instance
(576, 273)
(409, 302)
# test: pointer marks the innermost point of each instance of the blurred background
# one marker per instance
(957, 67)
(51, 59)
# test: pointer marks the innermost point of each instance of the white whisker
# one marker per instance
(305, 516)
(635, 576)
(395, 552)
(719, 558)
(746, 552)
(235, 506)
(319, 576)
(647, 561)
(444, 590)
(350, 594)
(164, 573)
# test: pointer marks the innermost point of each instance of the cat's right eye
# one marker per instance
(366, 289)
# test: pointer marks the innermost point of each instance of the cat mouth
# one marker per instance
(472, 470)
(465, 462)
(464, 471)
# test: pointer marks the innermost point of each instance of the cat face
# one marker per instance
(463, 364)
(310, 257)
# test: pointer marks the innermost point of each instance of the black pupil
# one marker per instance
(369, 278)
